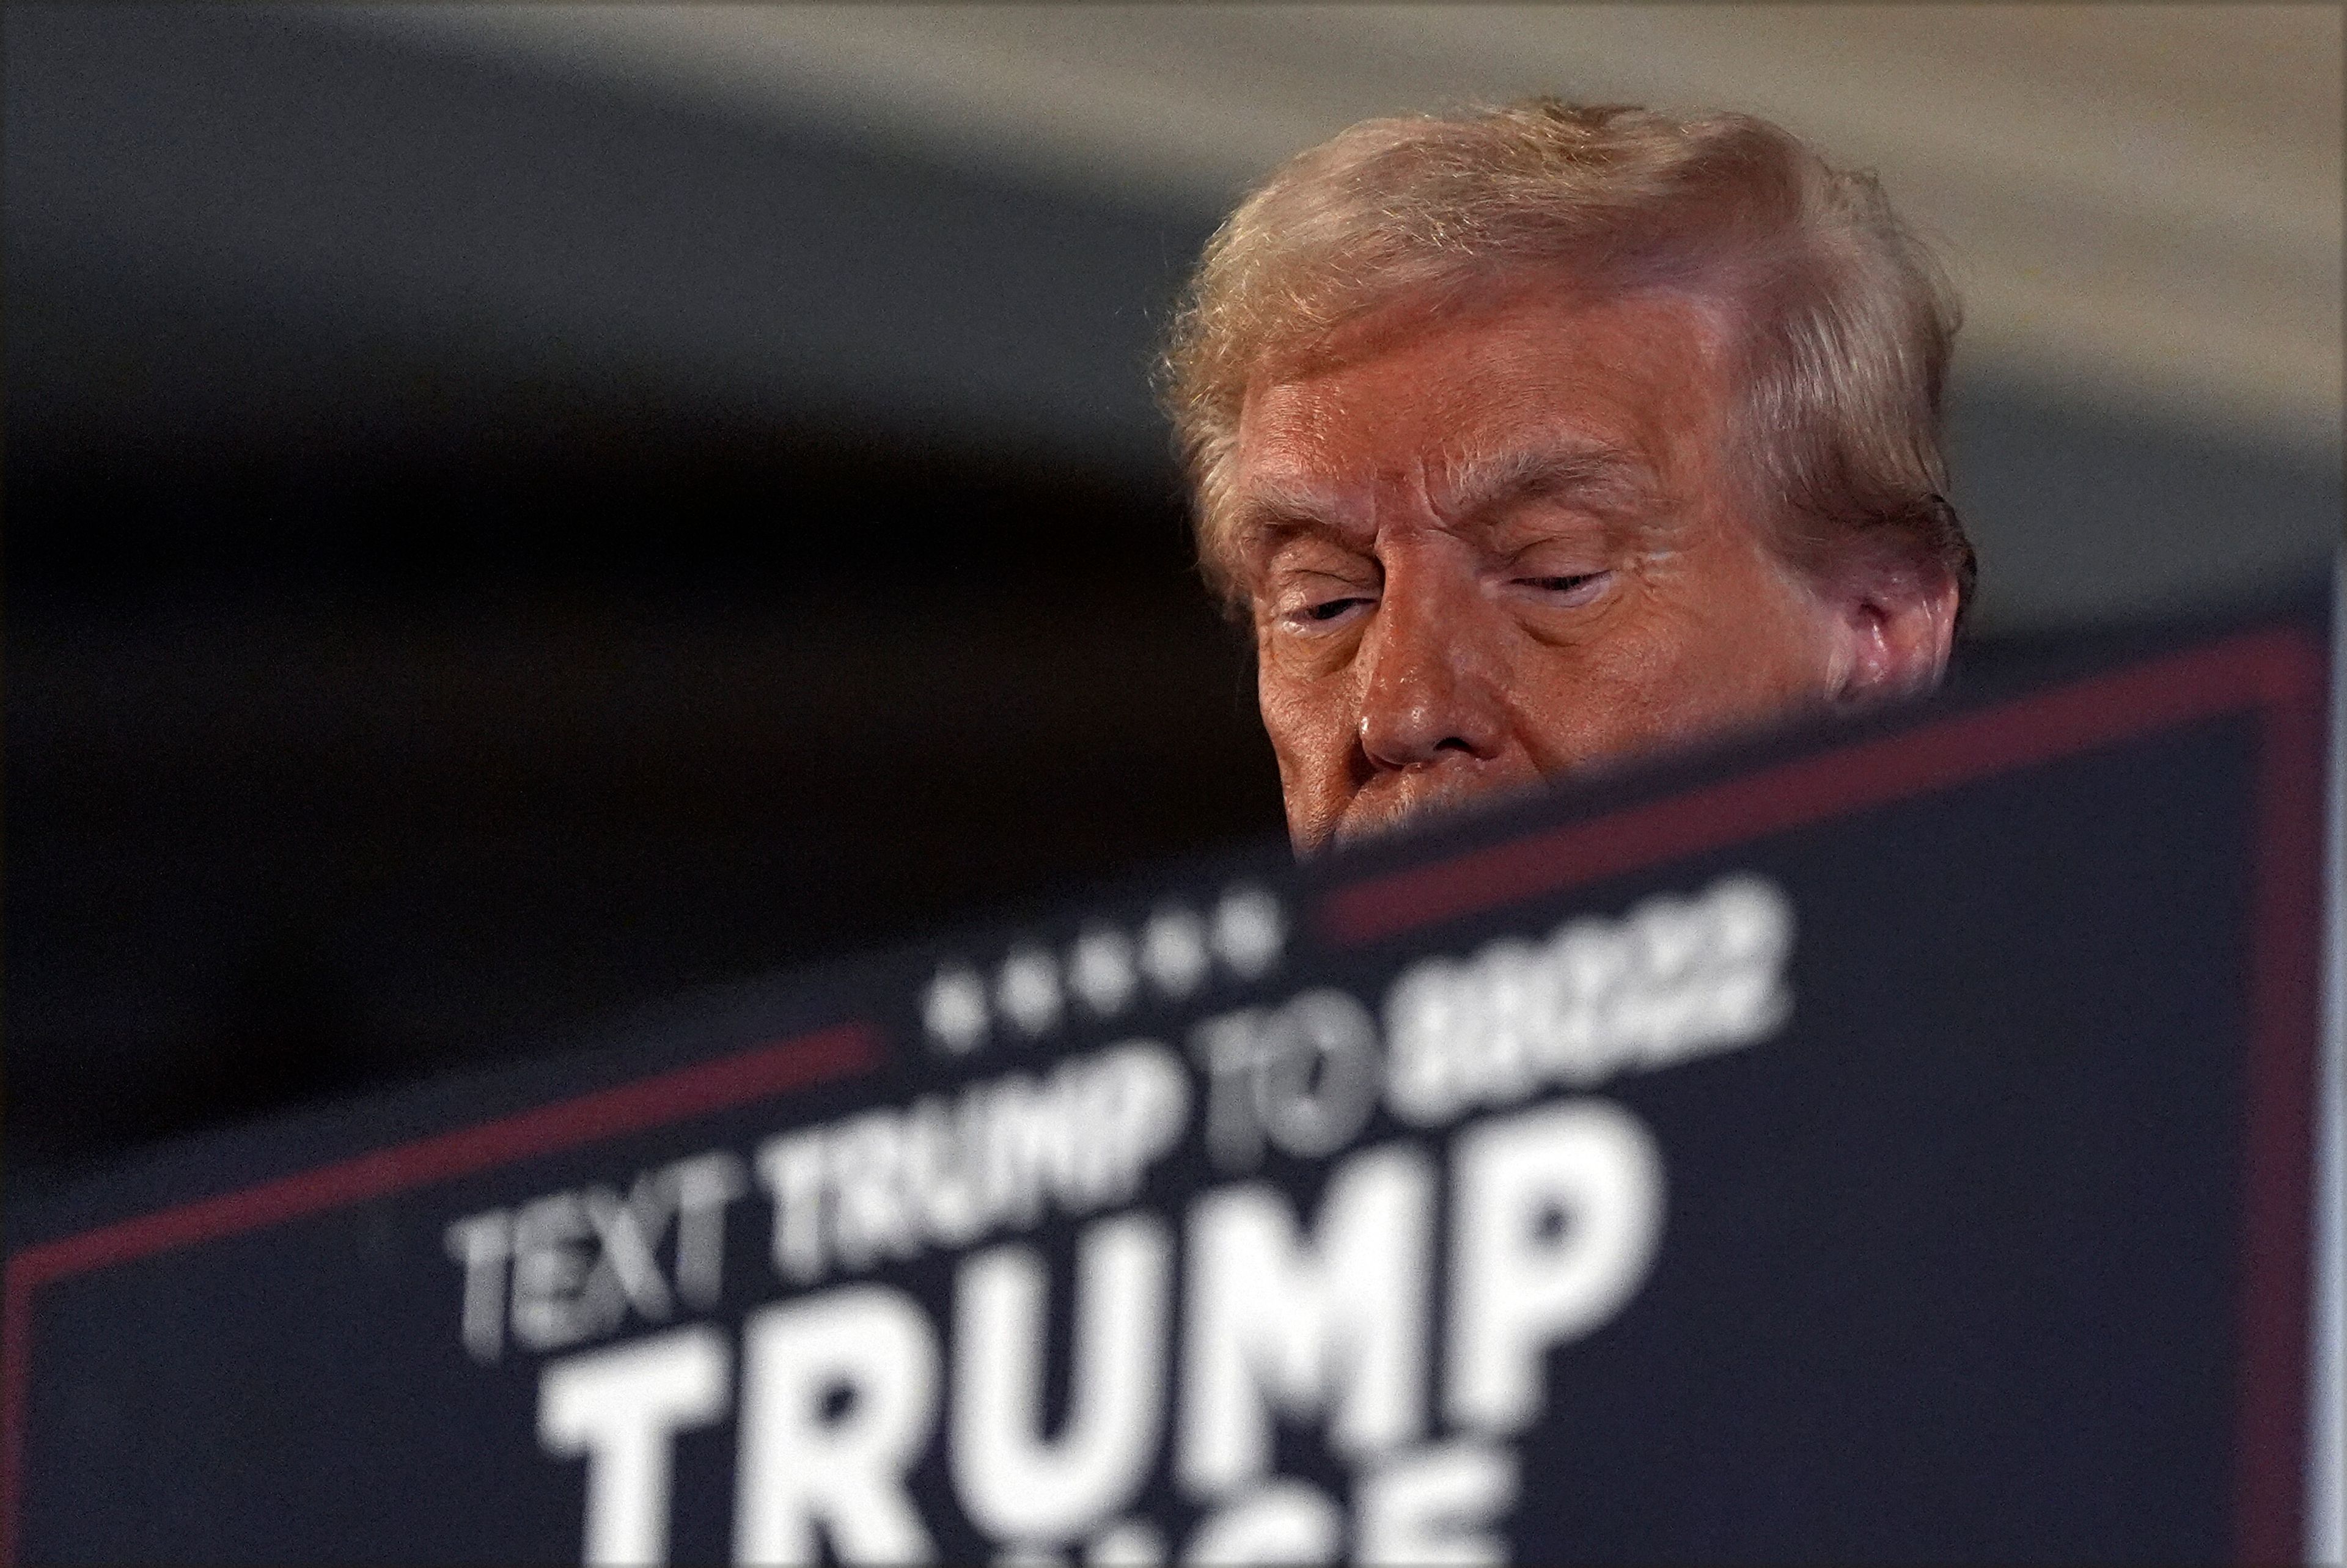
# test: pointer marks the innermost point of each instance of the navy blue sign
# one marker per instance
(1892, 1143)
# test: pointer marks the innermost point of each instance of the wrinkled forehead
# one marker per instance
(1324, 319)
(1533, 385)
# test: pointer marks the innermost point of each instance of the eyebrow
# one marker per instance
(1271, 512)
(1604, 474)
(1560, 467)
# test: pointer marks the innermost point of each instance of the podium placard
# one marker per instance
(1892, 1143)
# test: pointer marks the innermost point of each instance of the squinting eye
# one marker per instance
(1330, 609)
(1575, 582)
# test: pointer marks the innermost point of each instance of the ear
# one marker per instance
(1893, 609)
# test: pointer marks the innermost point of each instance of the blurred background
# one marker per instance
(516, 511)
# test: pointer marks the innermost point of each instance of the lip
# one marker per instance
(1394, 801)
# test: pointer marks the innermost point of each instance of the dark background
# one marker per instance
(486, 547)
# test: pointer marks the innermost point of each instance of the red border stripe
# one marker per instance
(2270, 1453)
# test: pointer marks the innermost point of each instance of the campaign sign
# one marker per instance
(1892, 1142)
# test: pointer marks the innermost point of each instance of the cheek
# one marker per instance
(1602, 700)
(1311, 726)
(1767, 636)
(1743, 646)
(1307, 725)
(1683, 664)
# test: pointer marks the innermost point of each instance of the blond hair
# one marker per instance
(1844, 320)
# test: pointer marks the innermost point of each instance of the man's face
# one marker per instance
(1491, 547)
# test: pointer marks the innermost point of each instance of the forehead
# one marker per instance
(1408, 394)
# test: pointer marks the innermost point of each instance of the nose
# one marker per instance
(1431, 688)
